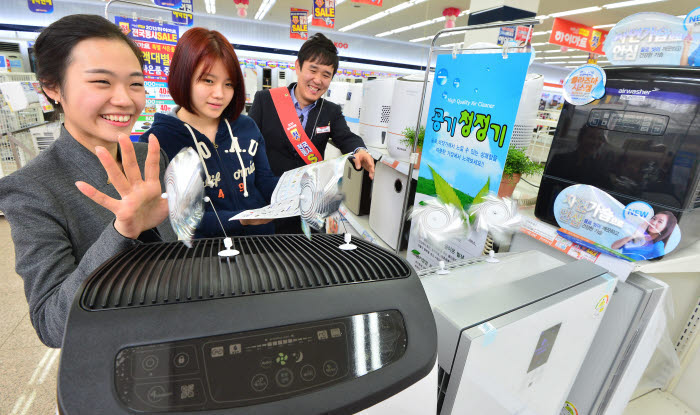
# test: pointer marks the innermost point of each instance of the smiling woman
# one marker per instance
(89, 67)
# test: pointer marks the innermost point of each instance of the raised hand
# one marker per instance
(141, 206)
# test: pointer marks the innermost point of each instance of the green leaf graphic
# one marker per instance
(444, 191)
(480, 198)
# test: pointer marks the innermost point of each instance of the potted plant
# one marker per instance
(409, 134)
(517, 164)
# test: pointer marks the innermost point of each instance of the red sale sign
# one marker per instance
(577, 36)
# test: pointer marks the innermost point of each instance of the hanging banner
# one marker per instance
(577, 36)
(372, 2)
(40, 6)
(157, 43)
(173, 4)
(472, 111)
(654, 39)
(584, 84)
(184, 16)
(298, 24)
(323, 13)
(520, 35)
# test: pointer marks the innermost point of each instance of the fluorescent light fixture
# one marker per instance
(572, 66)
(265, 7)
(578, 57)
(551, 51)
(337, 2)
(603, 26)
(421, 39)
(556, 57)
(542, 17)
(576, 11)
(210, 6)
(377, 16)
(541, 33)
(629, 3)
(578, 62)
(539, 44)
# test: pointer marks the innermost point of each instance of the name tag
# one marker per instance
(325, 129)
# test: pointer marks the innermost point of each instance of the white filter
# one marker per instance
(376, 111)
(338, 93)
(352, 107)
(250, 80)
(526, 119)
(405, 105)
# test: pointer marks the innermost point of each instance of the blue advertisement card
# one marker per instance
(472, 111)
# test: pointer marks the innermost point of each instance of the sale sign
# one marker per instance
(577, 36)
(298, 24)
(324, 13)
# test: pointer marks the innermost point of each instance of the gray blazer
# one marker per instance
(60, 235)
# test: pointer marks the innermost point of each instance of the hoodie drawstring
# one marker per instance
(240, 160)
(208, 181)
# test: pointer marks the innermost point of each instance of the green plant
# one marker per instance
(410, 136)
(518, 163)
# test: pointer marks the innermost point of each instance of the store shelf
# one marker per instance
(657, 403)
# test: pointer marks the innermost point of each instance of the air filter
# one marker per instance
(376, 111)
(405, 105)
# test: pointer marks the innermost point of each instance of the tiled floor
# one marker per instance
(27, 368)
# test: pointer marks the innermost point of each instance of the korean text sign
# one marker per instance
(298, 24)
(184, 16)
(324, 13)
(577, 36)
(40, 6)
(473, 105)
(157, 43)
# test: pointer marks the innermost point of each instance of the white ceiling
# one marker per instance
(348, 12)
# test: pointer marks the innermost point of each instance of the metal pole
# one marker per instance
(413, 158)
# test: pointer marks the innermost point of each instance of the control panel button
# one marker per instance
(181, 359)
(284, 377)
(330, 368)
(308, 373)
(157, 394)
(259, 382)
(266, 362)
(149, 362)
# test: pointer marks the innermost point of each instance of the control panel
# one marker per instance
(628, 121)
(254, 367)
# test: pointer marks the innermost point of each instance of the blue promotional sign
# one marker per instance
(40, 6)
(173, 4)
(472, 110)
(147, 31)
(584, 84)
(592, 218)
(654, 39)
(184, 16)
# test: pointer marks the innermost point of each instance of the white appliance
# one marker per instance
(377, 95)
(624, 344)
(513, 335)
(250, 81)
(418, 399)
(526, 118)
(353, 106)
(283, 77)
(338, 93)
(385, 212)
(405, 105)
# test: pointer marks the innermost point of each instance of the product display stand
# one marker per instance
(454, 51)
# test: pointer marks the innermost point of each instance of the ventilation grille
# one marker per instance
(282, 75)
(386, 113)
(9, 47)
(166, 273)
(443, 381)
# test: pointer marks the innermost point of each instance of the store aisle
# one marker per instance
(28, 369)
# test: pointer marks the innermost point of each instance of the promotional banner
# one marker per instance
(298, 24)
(472, 110)
(324, 13)
(577, 36)
(40, 6)
(372, 2)
(592, 218)
(157, 43)
(655, 39)
(584, 84)
(518, 34)
(173, 4)
(184, 16)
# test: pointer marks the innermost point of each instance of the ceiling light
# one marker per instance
(380, 15)
(629, 3)
(578, 56)
(577, 11)
(541, 33)
(265, 7)
(539, 44)
(337, 2)
(556, 57)
(603, 26)
(420, 39)
(542, 17)
(572, 66)
(551, 51)
(578, 62)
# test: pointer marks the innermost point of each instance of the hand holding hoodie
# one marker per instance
(238, 172)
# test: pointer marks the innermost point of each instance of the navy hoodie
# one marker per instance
(226, 187)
